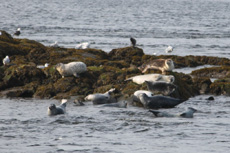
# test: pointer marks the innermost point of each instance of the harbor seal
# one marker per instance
(99, 98)
(138, 92)
(157, 102)
(140, 79)
(158, 64)
(56, 110)
(72, 68)
(133, 41)
(120, 104)
(161, 87)
(188, 114)
(6, 60)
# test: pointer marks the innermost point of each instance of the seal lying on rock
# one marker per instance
(56, 110)
(157, 102)
(138, 92)
(188, 114)
(158, 64)
(140, 79)
(161, 87)
(99, 98)
(72, 68)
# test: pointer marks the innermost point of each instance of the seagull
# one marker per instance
(55, 44)
(6, 60)
(17, 32)
(169, 49)
(133, 41)
(83, 45)
(42, 66)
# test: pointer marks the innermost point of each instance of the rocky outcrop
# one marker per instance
(22, 78)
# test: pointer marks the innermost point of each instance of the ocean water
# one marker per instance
(197, 27)
(26, 127)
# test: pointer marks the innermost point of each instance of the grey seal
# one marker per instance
(188, 114)
(159, 64)
(120, 104)
(56, 110)
(157, 102)
(161, 87)
(99, 98)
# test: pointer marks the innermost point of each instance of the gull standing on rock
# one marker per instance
(17, 32)
(55, 44)
(83, 45)
(169, 49)
(6, 60)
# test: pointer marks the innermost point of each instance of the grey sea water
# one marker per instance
(193, 27)
(25, 127)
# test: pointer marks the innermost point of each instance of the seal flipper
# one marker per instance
(155, 112)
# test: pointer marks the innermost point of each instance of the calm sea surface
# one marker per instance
(193, 27)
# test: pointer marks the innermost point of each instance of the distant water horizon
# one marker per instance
(198, 27)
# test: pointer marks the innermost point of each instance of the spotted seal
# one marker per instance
(159, 64)
(56, 110)
(99, 98)
(72, 68)
(161, 87)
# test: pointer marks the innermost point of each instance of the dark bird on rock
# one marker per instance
(18, 32)
(133, 41)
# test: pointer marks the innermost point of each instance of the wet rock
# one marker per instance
(212, 72)
(105, 71)
(203, 84)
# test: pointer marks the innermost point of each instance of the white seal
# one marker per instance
(72, 68)
(138, 92)
(140, 79)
